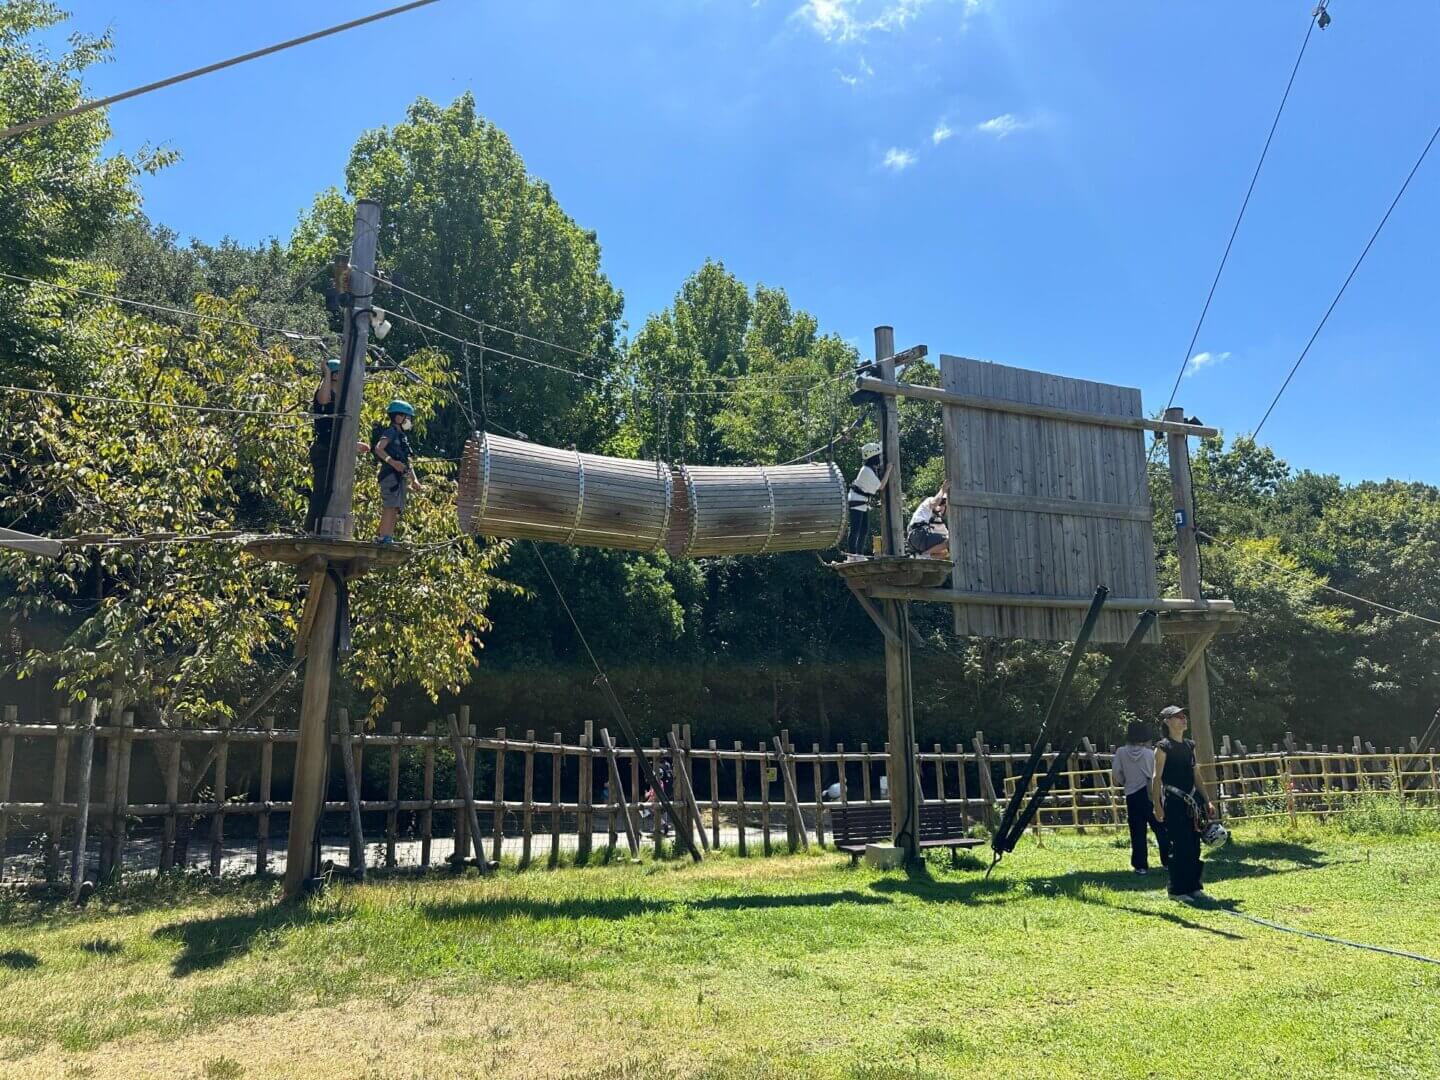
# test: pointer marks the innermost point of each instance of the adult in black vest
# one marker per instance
(322, 408)
(1180, 803)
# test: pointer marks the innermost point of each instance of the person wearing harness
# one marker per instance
(322, 408)
(392, 449)
(1180, 804)
(928, 536)
(863, 489)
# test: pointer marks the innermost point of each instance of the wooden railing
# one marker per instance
(538, 798)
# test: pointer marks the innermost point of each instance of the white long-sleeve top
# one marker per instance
(1133, 767)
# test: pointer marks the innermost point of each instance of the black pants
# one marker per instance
(319, 465)
(1142, 816)
(859, 531)
(1186, 866)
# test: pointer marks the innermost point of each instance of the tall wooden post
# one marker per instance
(1197, 681)
(337, 520)
(899, 703)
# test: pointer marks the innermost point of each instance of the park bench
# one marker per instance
(942, 825)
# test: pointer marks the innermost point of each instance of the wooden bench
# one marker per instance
(942, 825)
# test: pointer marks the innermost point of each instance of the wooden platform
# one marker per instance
(310, 554)
(893, 571)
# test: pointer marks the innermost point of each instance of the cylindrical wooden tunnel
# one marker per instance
(756, 511)
(523, 490)
(533, 492)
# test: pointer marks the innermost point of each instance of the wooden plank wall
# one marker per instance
(1045, 507)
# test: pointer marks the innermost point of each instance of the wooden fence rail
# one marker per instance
(540, 797)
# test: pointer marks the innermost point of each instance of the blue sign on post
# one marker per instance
(1179, 519)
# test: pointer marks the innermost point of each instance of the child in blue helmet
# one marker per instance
(392, 449)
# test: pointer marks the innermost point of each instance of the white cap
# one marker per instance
(869, 450)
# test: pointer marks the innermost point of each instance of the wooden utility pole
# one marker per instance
(337, 522)
(1197, 679)
(899, 702)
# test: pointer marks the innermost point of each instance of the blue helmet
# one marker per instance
(404, 408)
(333, 365)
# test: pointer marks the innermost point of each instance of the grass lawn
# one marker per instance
(1063, 964)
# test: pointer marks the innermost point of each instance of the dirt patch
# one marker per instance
(529, 1033)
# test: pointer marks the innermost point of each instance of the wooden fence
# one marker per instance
(539, 798)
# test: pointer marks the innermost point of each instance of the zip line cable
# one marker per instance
(1348, 278)
(1328, 588)
(304, 417)
(100, 103)
(381, 279)
(1244, 205)
(293, 335)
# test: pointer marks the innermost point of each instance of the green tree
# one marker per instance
(465, 225)
(58, 195)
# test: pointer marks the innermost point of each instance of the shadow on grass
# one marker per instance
(19, 960)
(214, 942)
(632, 907)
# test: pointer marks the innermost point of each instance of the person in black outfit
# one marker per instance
(322, 408)
(1179, 802)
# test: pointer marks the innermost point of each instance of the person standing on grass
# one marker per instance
(1132, 770)
(1179, 802)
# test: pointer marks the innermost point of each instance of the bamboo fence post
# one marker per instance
(1074, 766)
(392, 795)
(427, 793)
(464, 777)
(1288, 780)
(352, 793)
(262, 821)
(655, 808)
(740, 811)
(865, 772)
(682, 808)
(940, 776)
(82, 799)
(819, 774)
(122, 793)
(497, 826)
(107, 797)
(54, 833)
(1325, 778)
(7, 768)
(471, 819)
(1399, 780)
(844, 775)
(585, 821)
(1010, 768)
(635, 790)
(217, 820)
(765, 798)
(527, 824)
(686, 792)
(714, 796)
(963, 784)
(697, 823)
(796, 830)
(632, 835)
(172, 800)
(557, 775)
(987, 781)
(461, 842)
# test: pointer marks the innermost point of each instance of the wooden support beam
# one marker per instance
(1197, 678)
(1197, 650)
(617, 793)
(1024, 408)
(958, 596)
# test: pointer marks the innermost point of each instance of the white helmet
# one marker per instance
(869, 450)
(1215, 835)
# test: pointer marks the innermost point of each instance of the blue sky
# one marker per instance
(1039, 183)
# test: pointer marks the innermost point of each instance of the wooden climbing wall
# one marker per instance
(1048, 499)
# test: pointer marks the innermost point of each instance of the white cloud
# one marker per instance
(942, 132)
(1004, 125)
(1202, 360)
(898, 160)
(854, 20)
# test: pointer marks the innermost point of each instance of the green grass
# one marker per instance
(1062, 964)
